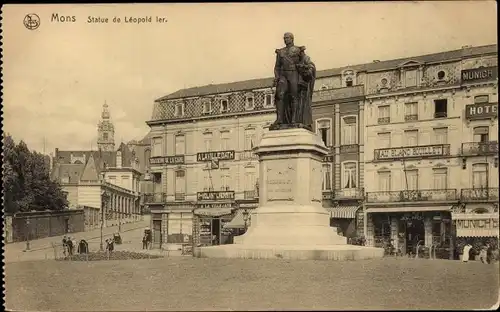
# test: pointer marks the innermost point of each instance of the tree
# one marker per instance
(26, 182)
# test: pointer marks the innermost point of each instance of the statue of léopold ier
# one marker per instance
(294, 76)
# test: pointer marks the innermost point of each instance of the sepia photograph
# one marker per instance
(270, 156)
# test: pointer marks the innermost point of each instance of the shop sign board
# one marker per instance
(480, 74)
(214, 205)
(412, 152)
(167, 160)
(483, 110)
(215, 195)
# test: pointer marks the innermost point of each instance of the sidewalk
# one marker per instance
(44, 243)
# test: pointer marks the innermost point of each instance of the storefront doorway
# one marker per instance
(212, 231)
(414, 234)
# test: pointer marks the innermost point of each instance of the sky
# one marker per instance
(56, 78)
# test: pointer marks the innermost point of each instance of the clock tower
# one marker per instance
(105, 131)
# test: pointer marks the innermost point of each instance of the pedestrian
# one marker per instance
(483, 254)
(145, 241)
(69, 243)
(466, 252)
(65, 245)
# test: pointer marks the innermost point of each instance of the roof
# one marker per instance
(101, 157)
(373, 66)
(72, 171)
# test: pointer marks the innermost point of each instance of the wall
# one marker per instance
(89, 195)
(47, 224)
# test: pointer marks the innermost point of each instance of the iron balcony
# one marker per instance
(479, 194)
(180, 196)
(250, 195)
(155, 198)
(480, 148)
(355, 193)
(412, 196)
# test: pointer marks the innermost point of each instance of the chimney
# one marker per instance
(118, 159)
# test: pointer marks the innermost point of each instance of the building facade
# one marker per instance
(202, 165)
(416, 131)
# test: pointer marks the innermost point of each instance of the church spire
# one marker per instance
(105, 131)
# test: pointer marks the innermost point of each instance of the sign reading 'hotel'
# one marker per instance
(220, 155)
(478, 111)
(412, 152)
(220, 195)
(480, 74)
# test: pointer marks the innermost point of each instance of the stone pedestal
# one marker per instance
(290, 221)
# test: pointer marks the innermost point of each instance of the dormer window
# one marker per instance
(268, 100)
(249, 103)
(179, 109)
(348, 82)
(207, 107)
(224, 106)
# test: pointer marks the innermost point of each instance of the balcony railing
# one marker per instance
(180, 196)
(412, 196)
(250, 194)
(479, 194)
(155, 198)
(248, 155)
(349, 148)
(412, 117)
(480, 148)
(384, 120)
(440, 114)
(355, 193)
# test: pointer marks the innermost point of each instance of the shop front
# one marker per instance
(344, 218)
(242, 218)
(172, 226)
(213, 211)
(478, 227)
(421, 232)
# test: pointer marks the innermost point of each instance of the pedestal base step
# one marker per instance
(317, 252)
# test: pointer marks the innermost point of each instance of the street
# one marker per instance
(185, 283)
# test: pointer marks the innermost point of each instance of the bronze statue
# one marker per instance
(294, 77)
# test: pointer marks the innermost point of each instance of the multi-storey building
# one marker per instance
(338, 119)
(414, 171)
(202, 165)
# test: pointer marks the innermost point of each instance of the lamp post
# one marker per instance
(103, 206)
(27, 233)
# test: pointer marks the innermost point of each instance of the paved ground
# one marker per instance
(185, 283)
(41, 249)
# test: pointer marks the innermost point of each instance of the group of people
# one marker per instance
(485, 253)
(70, 243)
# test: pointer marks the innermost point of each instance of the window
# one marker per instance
(180, 145)
(410, 78)
(441, 108)
(105, 136)
(440, 135)
(180, 182)
(411, 111)
(441, 74)
(349, 133)
(348, 82)
(384, 114)
(207, 140)
(249, 103)
(250, 179)
(481, 134)
(112, 180)
(411, 137)
(384, 181)
(207, 181)
(349, 176)
(207, 106)
(179, 109)
(224, 106)
(224, 141)
(440, 178)
(268, 100)
(327, 177)
(384, 140)
(157, 147)
(480, 99)
(411, 179)
(479, 175)
(249, 139)
(324, 130)
(225, 180)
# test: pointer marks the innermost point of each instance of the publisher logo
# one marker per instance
(31, 21)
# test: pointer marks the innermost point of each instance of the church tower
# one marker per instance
(105, 131)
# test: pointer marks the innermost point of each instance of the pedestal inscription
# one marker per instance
(280, 182)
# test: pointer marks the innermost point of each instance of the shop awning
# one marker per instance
(212, 212)
(476, 224)
(238, 221)
(343, 212)
(407, 209)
